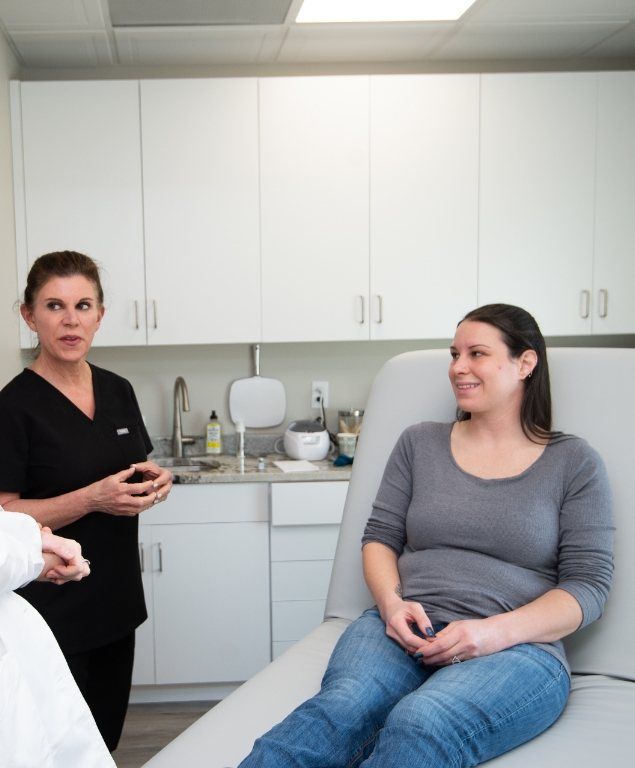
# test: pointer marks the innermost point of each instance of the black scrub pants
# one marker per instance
(104, 676)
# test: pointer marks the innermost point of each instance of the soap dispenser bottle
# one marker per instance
(213, 442)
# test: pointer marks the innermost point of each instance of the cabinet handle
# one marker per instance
(142, 559)
(154, 313)
(603, 302)
(585, 304)
(362, 310)
(380, 309)
(136, 315)
(160, 551)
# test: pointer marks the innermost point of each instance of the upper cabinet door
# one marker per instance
(200, 176)
(314, 204)
(81, 177)
(423, 203)
(614, 273)
(537, 196)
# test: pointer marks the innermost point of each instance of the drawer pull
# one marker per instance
(585, 304)
(362, 310)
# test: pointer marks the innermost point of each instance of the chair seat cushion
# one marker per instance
(596, 728)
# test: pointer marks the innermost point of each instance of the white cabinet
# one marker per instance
(537, 195)
(314, 207)
(201, 208)
(206, 559)
(305, 520)
(77, 171)
(423, 203)
(612, 305)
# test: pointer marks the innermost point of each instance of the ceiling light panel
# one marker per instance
(345, 11)
(188, 13)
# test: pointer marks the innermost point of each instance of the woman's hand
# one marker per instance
(63, 560)
(462, 640)
(161, 478)
(400, 617)
(115, 496)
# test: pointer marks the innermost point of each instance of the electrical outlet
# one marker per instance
(319, 394)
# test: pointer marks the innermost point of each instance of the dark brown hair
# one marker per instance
(61, 264)
(520, 332)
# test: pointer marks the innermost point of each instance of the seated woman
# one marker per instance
(44, 720)
(490, 540)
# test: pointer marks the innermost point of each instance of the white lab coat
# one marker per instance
(44, 720)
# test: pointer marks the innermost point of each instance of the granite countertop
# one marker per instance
(232, 470)
(257, 445)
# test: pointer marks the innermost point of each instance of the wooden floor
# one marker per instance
(149, 727)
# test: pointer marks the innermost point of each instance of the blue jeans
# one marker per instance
(379, 708)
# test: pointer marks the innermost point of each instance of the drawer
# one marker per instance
(320, 503)
(211, 503)
(304, 542)
(307, 580)
(292, 620)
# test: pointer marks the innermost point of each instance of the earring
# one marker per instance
(529, 375)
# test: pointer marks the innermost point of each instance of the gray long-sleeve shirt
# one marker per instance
(472, 548)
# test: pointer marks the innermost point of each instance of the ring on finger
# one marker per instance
(84, 560)
(456, 660)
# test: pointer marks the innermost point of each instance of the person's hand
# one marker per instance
(400, 617)
(161, 478)
(460, 641)
(63, 560)
(115, 496)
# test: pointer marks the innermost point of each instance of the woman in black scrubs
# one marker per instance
(73, 455)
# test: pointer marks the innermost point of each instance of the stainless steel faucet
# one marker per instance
(178, 441)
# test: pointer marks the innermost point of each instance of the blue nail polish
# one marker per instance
(430, 632)
(417, 656)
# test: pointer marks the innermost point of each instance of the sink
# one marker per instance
(185, 464)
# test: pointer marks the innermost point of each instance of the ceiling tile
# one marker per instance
(51, 15)
(146, 13)
(187, 46)
(364, 43)
(622, 43)
(523, 41)
(73, 49)
(552, 10)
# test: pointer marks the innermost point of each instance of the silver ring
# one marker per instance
(456, 660)
(86, 561)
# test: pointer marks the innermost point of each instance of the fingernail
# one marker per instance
(430, 632)
(155, 485)
(417, 656)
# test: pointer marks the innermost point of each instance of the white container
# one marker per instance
(346, 442)
(306, 440)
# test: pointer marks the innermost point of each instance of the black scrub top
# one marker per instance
(49, 447)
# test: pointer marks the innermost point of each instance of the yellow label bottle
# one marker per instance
(213, 443)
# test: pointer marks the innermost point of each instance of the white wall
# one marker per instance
(209, 370)
(9, 353)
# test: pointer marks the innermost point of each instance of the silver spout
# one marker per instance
(180, 388)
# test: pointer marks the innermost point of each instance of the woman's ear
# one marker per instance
(28, 317)
(528, 361)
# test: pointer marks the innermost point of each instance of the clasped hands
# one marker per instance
(114, 495)
(458, 641)
(63, 560)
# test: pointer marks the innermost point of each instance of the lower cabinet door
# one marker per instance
(143, 671)
(212, 616)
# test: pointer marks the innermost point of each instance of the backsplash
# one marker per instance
(256, 444)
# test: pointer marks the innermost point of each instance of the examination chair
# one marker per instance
(593, 397)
